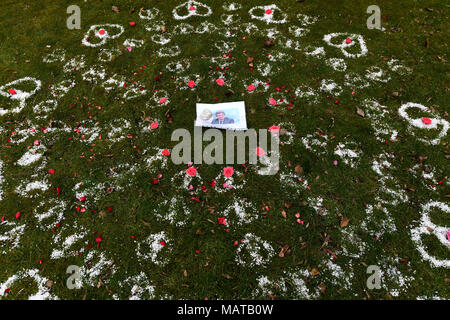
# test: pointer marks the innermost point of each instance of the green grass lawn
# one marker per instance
(363, 155)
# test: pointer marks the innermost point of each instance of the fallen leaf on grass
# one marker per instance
(344, 222)
(269, 42)
(283, 251)
(115, 9)
(360, 112)
(322, 287)
(227, 276)
(331, 252)
(314, 272)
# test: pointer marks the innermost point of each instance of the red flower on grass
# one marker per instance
(228, 171)
(426, 120)
(260, 152)
(98, 240)
(220, 82)
(191, 171)
(274, 129)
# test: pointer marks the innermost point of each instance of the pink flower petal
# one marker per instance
(251, 87)
(220, 82)
(191, 84)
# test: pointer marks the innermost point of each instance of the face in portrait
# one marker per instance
(221, 118)
(206, 116)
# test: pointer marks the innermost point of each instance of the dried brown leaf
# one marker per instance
(344, 222)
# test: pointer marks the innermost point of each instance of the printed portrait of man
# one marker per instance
(222, 119)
